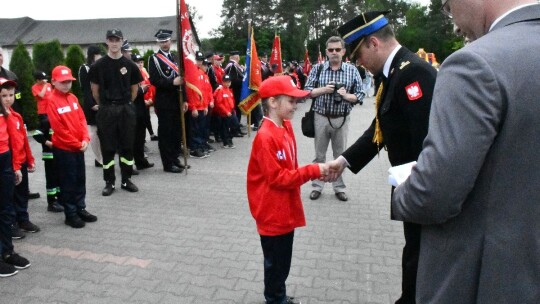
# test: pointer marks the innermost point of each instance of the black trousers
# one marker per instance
(7, 188)
(51, 179)
(148, 121)
(409, 263)
(116, 131)
(21, 197)
(277, 251)
(72, 177)
(138, 144)
(170, 136)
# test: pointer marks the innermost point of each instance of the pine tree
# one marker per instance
(22, 66)
(47, 55)
(74, 59)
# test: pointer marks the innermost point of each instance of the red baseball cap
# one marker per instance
(61, 73)
(7, 83)
(280, 85)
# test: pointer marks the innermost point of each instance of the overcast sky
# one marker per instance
(210, 10)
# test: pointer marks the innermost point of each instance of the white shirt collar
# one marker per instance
(508, 13)
(388, 63)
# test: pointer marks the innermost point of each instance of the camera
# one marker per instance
(338, 85)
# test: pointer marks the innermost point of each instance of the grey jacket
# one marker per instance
(476, 187)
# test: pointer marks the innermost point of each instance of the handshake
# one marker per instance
(330, 171)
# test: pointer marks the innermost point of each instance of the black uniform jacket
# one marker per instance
(162, 76)
(403, 113)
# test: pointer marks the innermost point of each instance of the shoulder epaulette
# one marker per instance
(404, 64)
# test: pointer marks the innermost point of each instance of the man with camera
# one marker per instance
(335, 87)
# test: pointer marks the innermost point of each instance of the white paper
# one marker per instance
(399, 174)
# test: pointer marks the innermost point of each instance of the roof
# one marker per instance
(90, 31)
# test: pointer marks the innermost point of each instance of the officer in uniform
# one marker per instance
(403, 103)
(236, 72)
(115, 83)
(162, 68)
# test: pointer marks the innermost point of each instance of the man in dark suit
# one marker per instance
(236, 72)
(402, 112)
(161, 67)
(475, 187)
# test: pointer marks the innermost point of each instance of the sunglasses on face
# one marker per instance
(337, 50)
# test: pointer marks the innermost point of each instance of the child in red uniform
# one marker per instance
(10, 140)
(199, 110)
(273, 184)
(23, 161)
(70, 139)
(41, 91)
(224, 109)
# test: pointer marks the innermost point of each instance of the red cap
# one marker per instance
(7, 83)
(61, 73)
(280, 85)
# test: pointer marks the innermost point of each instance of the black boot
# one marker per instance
(53, 205)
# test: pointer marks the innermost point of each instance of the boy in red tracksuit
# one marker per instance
(70, 139)
(23, 162)
(199, 111)
(224, 109)
(41, 91)
(10, 175)
(273, 183)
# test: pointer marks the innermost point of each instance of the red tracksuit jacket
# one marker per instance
(274, 180)
(223, 101)
(67, 121)
(21, 152)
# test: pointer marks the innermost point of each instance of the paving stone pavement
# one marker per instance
(191, 239)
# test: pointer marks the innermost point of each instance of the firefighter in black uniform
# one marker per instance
(162, 69)
(115, 82)
(403, 103)
(236, 72)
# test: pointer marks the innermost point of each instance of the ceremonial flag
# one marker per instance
(187, 55)
(275, 57)
(252, 79)
(307, 63)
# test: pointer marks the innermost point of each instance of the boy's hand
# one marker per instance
(18, 177)
(325, 170)
(49, 144)
(211, 105)
(185, 107)
(205, 111)
(194, 113)
(84, 145)
(32, 168)
(336, 168)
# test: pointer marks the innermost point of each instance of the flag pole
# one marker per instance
(249, 38)
(182, 74)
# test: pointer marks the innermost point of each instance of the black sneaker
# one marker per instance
(108, 190)
(209, 148)
(16, 260)
(292, 300)
(211, 141)
(225, 146)
(33, 195)
(55, 207)
(97, 164)
(75, 222)
(129, 186)
(86, 216)
(154, 137)
(197, 154)
(7, 270)
(28, 226)
(232, 146)
(134, 172)
(16, 233)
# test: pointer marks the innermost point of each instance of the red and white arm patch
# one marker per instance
(414, 91)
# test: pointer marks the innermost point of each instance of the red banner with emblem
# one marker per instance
(189, 48)
(275, 57)
(320, 57)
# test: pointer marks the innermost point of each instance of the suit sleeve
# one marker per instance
(465, 115)
(362, 151)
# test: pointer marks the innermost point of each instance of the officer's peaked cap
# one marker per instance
(361, 26)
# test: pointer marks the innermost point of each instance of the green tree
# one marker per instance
(47, 55)
(74, 59)
(147, 55)
(21, 64)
